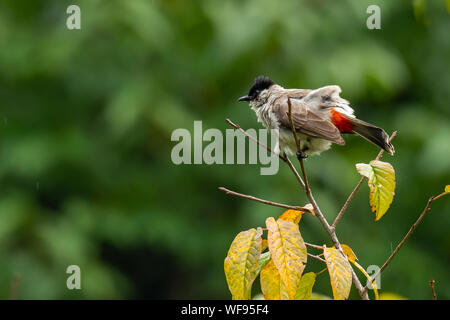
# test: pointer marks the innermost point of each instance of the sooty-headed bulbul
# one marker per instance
(319, 116)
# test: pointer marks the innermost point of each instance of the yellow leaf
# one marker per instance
(348, 252)
(241, 263)
(340, 273)
(271, 285)
(381, 181)
(391, 296)
(305, 287)
(288, 252)
(292, 215)
(447, 188)
(318, 296)
(258, 296)
(369, 278)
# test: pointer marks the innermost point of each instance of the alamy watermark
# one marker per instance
(74, 19)
(230, 149)
(371, 271)
(374, 20)
(74, 280)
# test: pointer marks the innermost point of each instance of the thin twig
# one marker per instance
(317, 211)
(297, 143)
(408, 234)
(315, 246)
(352, 195)
(254, 139)
(331, 231)
(316, 257)
(15, 284)
(349, 199)
(321, 271)
(432, 289)
(282, 157)
(271, 203)
(297, 175)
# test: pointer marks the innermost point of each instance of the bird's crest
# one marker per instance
(261, 83)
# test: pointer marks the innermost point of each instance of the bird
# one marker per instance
(319, 116)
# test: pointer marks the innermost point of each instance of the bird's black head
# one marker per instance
(261, 83)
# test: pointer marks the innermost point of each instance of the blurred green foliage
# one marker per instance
(86, 118)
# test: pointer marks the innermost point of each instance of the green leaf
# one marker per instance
(241, 263)
(288, 252)
(305, 287)
(381, 181)
(263, 260)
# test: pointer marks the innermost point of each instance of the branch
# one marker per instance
(316, 257)
(315, 246)
(432, 289)
(411, 230)
(331, 231)
(305, 186)
(271, 203)
(254, 139)
(282, 157)
(15, 284)
(297, 143)
(291, 166)
(352, 195)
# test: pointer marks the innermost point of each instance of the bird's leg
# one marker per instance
(301, 154)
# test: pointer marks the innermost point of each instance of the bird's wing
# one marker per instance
(322, 99)
(306, 121)
(298, 93)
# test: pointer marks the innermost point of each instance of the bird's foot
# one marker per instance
(301, 155)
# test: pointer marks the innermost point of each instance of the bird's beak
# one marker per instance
(244, 98)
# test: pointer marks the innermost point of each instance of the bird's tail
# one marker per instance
(373, 134)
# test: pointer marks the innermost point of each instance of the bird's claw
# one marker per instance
(301, 155)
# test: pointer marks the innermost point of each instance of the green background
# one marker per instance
(87, 115)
